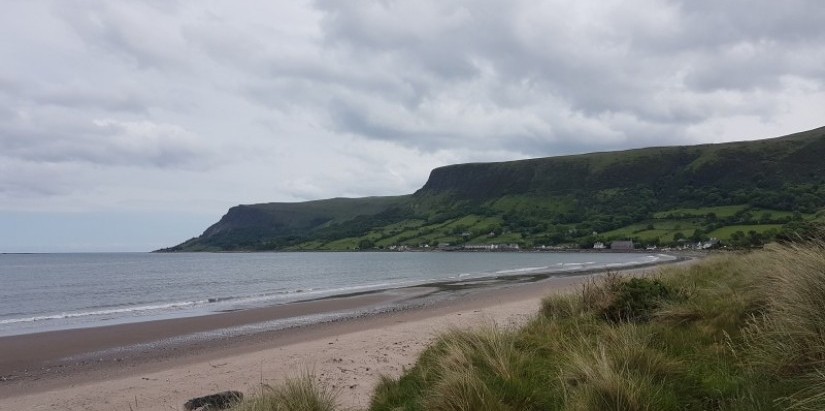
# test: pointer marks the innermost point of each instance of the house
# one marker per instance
(506, 247)
(484, 247)
(622, 245)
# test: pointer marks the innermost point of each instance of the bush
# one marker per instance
(617, 299)
(636, 299)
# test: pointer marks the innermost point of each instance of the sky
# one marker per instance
(131, 126)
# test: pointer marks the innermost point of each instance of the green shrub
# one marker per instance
(634, 300)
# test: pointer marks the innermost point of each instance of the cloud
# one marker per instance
(38, 138)
(168, 104)
(543, 78)
(23, 181)
(77, 96)
(146, 35)
(536, 78)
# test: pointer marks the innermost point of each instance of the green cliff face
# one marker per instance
(744, 192)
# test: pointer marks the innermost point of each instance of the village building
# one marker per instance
(480, 247)
(622, 245)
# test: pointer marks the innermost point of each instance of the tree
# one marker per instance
(698, 235)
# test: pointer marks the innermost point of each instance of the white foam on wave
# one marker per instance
(522, 270)
(124, 310)
(313, 293)
(230, 301)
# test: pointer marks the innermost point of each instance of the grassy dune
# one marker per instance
(733, 332)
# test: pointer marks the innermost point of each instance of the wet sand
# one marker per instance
(161, 364)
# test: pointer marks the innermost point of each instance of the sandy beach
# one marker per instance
(147, 366)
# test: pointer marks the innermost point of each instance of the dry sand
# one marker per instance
(349, 355)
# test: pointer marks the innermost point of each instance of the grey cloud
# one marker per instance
(20, 179)
(102, 141)
(143, 34)
(6, 114)
(163, 84)
(77, 97)
(662, 64)
(430, 31)
(734, 21)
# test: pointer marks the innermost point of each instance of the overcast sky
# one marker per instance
(134, 125)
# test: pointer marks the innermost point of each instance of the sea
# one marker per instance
(45, 292)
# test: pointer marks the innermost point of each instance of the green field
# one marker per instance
(342, 244)
(720, 212)
(416, 232)
(662, 230)
(725, 233)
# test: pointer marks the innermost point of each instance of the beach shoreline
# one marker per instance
(124, 362)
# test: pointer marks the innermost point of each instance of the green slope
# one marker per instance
(654, 195)
(278, 225)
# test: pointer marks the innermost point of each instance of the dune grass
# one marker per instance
(732, 332)
(301, 393)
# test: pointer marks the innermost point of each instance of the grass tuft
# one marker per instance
(295, 394)
(622, 372)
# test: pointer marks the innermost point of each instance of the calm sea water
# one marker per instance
(40, 292)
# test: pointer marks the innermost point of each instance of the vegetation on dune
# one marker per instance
(732, 332)
(294, 394)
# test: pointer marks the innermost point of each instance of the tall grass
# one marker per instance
(295, 394)
(788, 337)
(621, 372)
(480, 369)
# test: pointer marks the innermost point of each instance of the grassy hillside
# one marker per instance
(277, 225)
(743, 193)
(733, 332)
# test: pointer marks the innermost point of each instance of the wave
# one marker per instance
(139, 309)
(111, 311)
(161, 307)
(522, 270)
